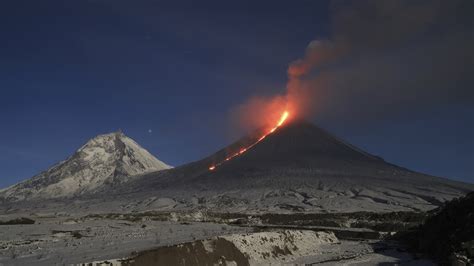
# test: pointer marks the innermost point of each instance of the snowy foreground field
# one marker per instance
(65, 240)
(146, 240)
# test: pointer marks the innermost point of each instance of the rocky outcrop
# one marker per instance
(262, 248)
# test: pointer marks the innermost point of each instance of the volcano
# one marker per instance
(103, 162)
(299, 167)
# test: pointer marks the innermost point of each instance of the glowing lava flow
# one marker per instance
(282, 120)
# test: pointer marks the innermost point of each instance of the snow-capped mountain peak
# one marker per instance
(104, 161)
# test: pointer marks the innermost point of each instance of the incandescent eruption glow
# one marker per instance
(282, 120)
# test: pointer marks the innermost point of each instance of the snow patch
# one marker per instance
(274, 247)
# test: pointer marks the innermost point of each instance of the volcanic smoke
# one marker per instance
(282, 120)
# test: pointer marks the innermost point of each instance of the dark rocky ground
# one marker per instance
(447, 235)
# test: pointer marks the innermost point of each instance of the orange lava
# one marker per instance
(282, 120)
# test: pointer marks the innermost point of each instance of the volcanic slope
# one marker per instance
(300, 167)
(103, 162)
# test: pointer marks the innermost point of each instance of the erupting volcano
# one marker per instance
(295, 166)
(283, 118)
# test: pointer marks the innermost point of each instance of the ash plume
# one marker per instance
(383, 58)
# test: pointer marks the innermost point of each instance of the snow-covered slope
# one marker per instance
(104, 161)
(300, 167)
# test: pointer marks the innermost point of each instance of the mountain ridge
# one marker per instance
(298, 168)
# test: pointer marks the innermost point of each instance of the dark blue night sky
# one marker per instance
(70, 70)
